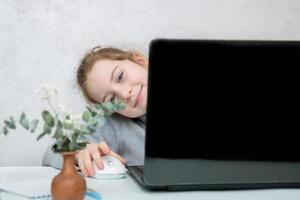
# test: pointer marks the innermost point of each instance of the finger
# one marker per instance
(112, 153)
(97, 157)
(104, 148)
(81, 166)
(87, 163)
(77, 154)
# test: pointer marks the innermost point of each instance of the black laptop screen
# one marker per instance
(223, 100)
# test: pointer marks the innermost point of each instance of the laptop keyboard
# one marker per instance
(140, 168)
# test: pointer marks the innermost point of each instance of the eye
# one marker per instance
(113, 98)
(120, 77)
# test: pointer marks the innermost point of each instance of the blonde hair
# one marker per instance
(91, 57)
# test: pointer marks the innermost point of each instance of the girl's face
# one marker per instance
(125, 80)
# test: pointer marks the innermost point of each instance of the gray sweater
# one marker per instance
(124, 136)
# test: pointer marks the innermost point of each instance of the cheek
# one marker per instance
(126, 112)
(139, 76)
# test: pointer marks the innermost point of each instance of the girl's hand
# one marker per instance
(93, 152)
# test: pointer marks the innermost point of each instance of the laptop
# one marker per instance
(222, 114)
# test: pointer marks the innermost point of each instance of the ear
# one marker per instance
(140, 59)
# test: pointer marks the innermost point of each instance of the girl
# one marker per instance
(110, 74)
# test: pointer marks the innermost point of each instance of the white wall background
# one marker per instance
(42, 41)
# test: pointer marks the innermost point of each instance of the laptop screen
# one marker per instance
(228, 100)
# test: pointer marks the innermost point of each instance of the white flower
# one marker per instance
(75, 117)
(100, 112)
(69, 121)
(46, 92)
(68, 134)
(49, 94)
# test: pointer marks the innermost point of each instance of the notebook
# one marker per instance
(35, 189)
(27, 189)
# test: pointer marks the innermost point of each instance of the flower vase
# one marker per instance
(68, 184)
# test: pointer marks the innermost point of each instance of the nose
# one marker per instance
(125, 93)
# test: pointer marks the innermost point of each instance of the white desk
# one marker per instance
(129, 189)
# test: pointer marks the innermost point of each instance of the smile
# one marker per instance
(138, 98)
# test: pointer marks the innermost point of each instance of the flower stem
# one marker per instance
(52, 107)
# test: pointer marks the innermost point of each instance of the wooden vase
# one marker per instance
(68, 184)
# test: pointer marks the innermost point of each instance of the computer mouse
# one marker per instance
(113, 169)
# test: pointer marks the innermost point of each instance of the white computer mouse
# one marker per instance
(113, 169)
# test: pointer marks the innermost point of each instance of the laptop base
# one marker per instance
(261, 178)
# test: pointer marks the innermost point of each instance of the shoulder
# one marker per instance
(117, 119)
(119, 122)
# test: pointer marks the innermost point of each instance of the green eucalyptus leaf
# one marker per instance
(72, 146)
(118, 106)
(81, 145)
(55, 148)
(8, 124)
(11, 123)
(68, 124)
(5, 130)
(48, 118)
(92, 121)
(60, 141)
(65, 145)
(58, 132)
(69, 135)
(83, 129)
(86, 115)
(100, 121)
(47, 129)
(23, 121)
(108, 108)
(98, 106)
(91, 110)
(34, 125)
(12, 120)
(41, 136)
(74, 137)
(92, 129)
